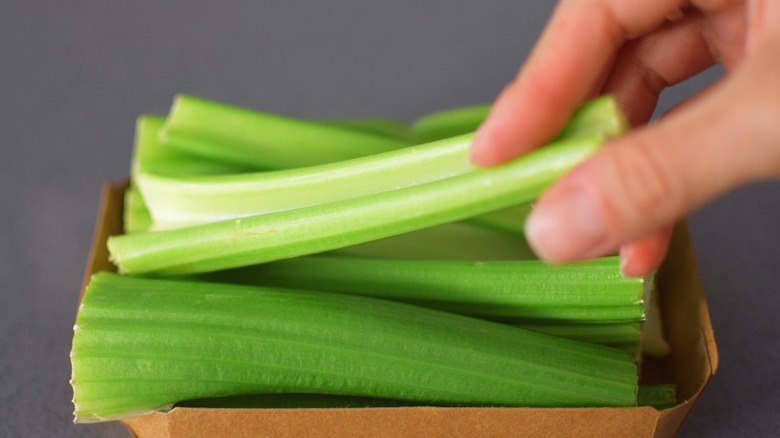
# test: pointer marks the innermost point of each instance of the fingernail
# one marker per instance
(568, 227)
(625, 262)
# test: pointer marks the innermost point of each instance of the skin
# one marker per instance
(629, 194)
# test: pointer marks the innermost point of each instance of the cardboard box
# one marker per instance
(693, 362)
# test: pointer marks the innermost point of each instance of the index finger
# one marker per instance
(566, 65)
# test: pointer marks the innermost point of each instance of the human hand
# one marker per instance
(629, 194)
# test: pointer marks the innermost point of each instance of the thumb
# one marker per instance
(647, 179)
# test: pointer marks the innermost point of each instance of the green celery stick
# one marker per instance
(449, 122)
(142, 345)
(309, 230)
(659, 396)
(384, 127)
(598, 333)
(181, 200)
(510, 220)
(527, 289)
(591, 118)
(136, 215)
(245, 137)
(294, 401)
(455, 241)
(153, 157)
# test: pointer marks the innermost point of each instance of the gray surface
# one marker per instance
(74, 75)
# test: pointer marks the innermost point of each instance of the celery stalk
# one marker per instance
(142, 345)
(241, 136)
(181, 200)
(527, 289)
(309, 230)
(599, 333)
(510, 220)
(659, 396)
(384, 127)
(136, 215)
(455, 241)
(594, 116)
(449, 122)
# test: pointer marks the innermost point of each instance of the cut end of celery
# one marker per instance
(653, 340)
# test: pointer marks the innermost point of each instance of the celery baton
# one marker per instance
(142, 345)
(263, 238)
(527, 289)
(237, 135)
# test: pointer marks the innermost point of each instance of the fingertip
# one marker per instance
(643, 257)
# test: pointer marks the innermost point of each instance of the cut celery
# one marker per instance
(141, 345)
(136, 216)
(384, 127)
(295, 401)
(659, 396)
(598, 333)
(455, 241)
(527, 290)
(175, 202)
(510, 220)
(151, 156)
(181, 200)
(592, 117)
(309, 230)
(449, 122)
(602, 114)
(245, 137)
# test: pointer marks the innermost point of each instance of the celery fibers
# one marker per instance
(526, 290)
(143, 344)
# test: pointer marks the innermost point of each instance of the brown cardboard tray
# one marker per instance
(693, 361)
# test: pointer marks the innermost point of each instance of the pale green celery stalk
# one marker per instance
(455, 241)
(653, 342)
(594, 116)
(602, 114)
(152, 157)
(449, 122)
(175, 202)
(324, 227)
(295, 401)
(179, 201)
(384, 127)
(510, 220)
(136, 216)
(598, 333)
(527, 289)
(142, 345)
(659, 396)
(242, 136)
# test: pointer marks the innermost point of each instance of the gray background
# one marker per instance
(74, 76)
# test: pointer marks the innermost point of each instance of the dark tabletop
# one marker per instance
(74, 76)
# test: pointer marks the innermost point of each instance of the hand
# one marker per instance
(629, 194)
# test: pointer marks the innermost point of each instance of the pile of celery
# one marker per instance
(347, 262)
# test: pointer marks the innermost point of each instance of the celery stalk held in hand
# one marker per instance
(143, 344)
(314, 229)
(181, 200)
